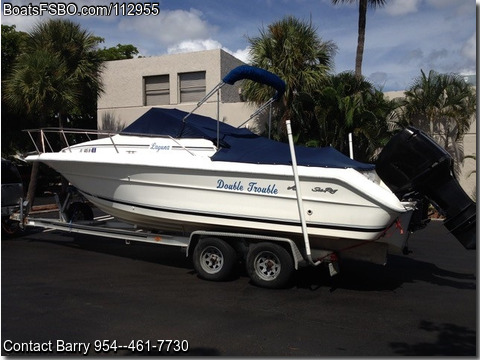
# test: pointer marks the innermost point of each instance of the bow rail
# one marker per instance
(70, 136)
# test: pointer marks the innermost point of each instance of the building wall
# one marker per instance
(123, 99)
(467, 179)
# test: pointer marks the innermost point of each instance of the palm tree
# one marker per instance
(57, 75)
(362, 24)
(13, 42)
(39, 85)
(349, 105)
(441, 105)
(292, 50)
(77, 48)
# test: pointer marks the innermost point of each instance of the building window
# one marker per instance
(192, 86)
(157, 90)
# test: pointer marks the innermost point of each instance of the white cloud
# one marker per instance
(241, 54)
(194, 45)
(401, 7)
(22, 23)
(170, 27)
(207, 44)
(469, 50)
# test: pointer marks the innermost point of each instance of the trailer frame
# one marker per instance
(241, 243)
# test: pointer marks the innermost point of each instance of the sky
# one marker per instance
(402, 38)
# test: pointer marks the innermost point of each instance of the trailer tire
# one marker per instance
(79, 211)
(214, 259)
(269, 265)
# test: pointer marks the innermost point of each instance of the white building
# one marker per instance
(179, 81)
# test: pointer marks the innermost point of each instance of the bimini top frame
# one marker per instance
(251, 73)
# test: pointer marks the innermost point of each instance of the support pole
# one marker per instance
(350, 145)
(218, 119)
(270, 122)
(205, 98)
(299, 196)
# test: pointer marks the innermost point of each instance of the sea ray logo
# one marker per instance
(292, 188)
(328, 189)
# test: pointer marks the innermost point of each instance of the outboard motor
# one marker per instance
(414, 162)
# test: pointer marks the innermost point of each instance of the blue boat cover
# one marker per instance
(237, 145)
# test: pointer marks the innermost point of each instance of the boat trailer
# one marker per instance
(270, 260)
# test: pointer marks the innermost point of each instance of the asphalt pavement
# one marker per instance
(66, 294)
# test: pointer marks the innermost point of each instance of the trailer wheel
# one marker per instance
(269, 265)
(79, 211)
(214, 259)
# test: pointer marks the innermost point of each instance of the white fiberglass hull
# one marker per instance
(184, 191)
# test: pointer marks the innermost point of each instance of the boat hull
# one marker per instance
(339, 204)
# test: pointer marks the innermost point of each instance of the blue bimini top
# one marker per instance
(237, 145)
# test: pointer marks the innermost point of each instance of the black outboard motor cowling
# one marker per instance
(413, 162)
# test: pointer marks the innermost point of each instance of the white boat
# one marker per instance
(182, 172)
